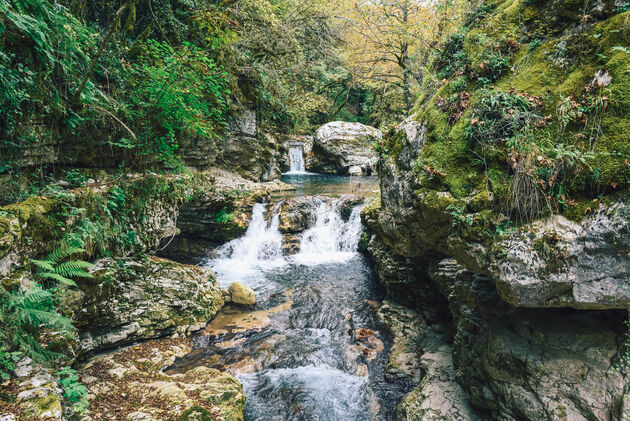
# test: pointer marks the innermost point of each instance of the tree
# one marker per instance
(391, 40)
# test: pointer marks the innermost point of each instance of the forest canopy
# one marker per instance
(135, 77)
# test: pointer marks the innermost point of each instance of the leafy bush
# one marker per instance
(174, 93)
(451, 57)
(74, 392)
(504, 118)
(224, 217)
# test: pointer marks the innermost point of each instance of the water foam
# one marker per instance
(258, 250)
(296, 160)
(331, 239)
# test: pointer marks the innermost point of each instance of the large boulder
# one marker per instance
(344, 148)
(131, 300)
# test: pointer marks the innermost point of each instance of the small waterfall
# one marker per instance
(296, 160)
(331, 239)
(259, 248)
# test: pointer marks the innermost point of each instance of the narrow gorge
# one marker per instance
(270, 210)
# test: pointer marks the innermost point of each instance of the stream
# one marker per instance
(312, 348)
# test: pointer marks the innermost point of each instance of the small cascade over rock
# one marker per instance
(311, 348)
(331, 238)
(296, 160)
(260, 248)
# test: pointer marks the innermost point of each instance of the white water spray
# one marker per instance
(261, 248)
(296, 160)
(331, 239)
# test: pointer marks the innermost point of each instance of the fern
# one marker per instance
(23, 316)
(55, 267)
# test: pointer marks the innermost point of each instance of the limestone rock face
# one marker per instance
(344, 148)
(549, 263)
(242, 294)
(521, 363)
(422, 354)
(142, 300)
(566, 264)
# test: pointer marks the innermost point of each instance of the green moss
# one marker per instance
(195, 413)
(395, 143)
(41, 405)
(560, 65)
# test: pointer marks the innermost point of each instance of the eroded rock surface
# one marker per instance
(142, 300)
(344, 148)
(521, 363)
(131, 384)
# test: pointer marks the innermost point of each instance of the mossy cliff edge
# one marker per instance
(504, 213)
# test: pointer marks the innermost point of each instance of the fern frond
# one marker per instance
(43, 264)
(36, 296)
(57, 277)
(62, 252)
(48, 319)
(74, 268)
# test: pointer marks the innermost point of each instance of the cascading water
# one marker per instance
(296, 160)
(300, 355)
(260, 248)
(331, 239)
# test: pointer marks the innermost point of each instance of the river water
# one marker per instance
(312, 348)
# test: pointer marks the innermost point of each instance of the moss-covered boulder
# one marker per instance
(130, 300)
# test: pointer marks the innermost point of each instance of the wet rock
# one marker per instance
(438, 396)
(344, 148)
(406, 281)
(216, 215)
(242, 294)
(142, 390)
(130, 300)
(423, 357)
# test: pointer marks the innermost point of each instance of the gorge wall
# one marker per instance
(520, 295)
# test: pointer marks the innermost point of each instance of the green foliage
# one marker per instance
(43, 57)
(56, 267)
(75, 178)
(74, 392)
(459, 218)
(24, 315)
(224, 217)
(7, 361)
(451, 57)
(503, 118)
(174, 94)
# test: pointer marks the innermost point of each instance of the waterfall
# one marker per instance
(260, 248)
(331, 239)
(296, 160)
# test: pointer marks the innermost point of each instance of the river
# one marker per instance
(312, 348)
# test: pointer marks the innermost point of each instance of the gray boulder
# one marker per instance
(344, 148)
(135, 300)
